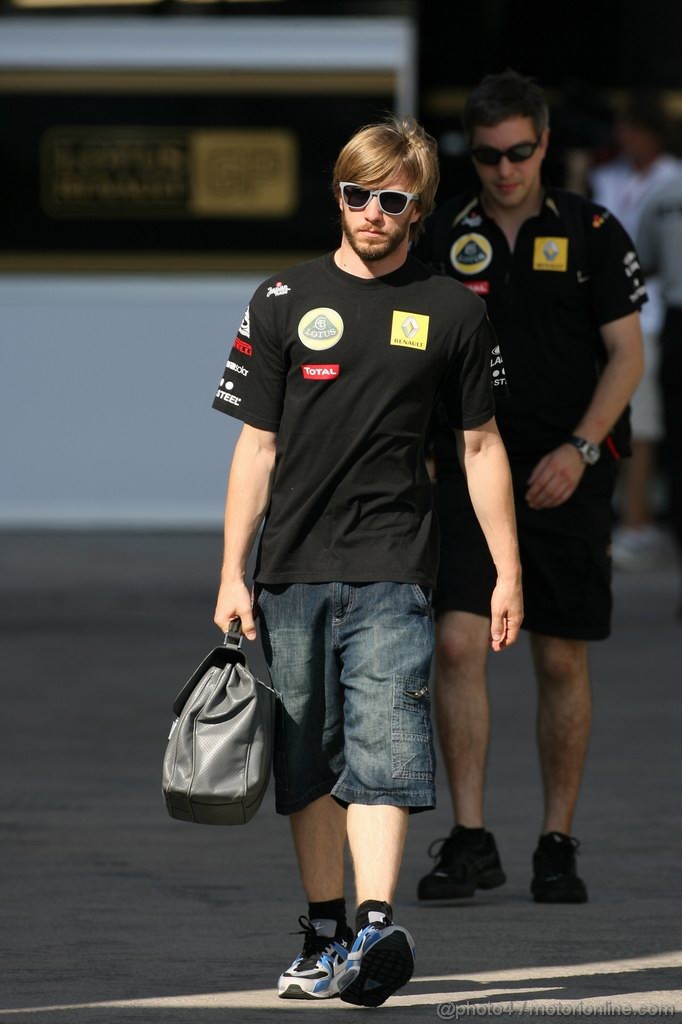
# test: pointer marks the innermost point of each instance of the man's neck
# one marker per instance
(348, 260)
(510, 219)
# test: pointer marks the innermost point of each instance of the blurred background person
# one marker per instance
(659, 239)
(623, 185)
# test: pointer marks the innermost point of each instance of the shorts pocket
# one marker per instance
(412, 755)
(423, 595)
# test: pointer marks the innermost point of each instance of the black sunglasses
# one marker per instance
(490, 156)
(391, 201)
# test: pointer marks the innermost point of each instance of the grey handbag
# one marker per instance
(219, 754)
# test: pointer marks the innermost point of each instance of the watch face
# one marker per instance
(590, 452)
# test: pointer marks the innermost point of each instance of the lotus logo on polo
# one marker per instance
(320, 328)
(471, 254)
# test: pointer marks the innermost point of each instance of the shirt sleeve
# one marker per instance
(467, 393)
(253, 382)
(617, 280)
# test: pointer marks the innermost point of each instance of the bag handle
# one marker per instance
(233, 637)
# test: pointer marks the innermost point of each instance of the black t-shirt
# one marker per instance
(347, 372)
(573, 269)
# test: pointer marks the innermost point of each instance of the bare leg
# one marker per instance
(462, 710)
(319, 832)
(563, 724)
(376, 836)
(637, 473)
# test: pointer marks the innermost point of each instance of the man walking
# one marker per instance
(334, 372)
(562, 284)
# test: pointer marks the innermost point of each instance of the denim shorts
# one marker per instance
(352, 664)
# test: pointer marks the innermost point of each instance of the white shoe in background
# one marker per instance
(637, 548)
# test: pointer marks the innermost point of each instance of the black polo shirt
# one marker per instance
(347, 372)
(573, 269)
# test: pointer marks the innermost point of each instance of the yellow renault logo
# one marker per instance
(550, 254)
(409, 330)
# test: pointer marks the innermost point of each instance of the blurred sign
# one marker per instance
(91, 172)
(157, 170)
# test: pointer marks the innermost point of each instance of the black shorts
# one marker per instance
(565, 556)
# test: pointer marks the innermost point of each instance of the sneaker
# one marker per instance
(380, 962)
(555, 879)
(465, 862)
(636, 549)
(315, 972)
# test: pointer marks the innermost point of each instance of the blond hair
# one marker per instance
(393, 148)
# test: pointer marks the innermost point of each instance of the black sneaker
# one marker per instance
(465, 862)
(554, 875)
(315, 972)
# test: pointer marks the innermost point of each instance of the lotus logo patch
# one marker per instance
(320, 328)
(471, 254)
(550, 254)
(409, 330)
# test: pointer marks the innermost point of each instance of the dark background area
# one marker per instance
(588, 56)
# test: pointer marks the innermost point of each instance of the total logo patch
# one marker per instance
(471, 254)
(409, 330)
(320, 371)
(550, 254)
(479, 287)
(320, 328)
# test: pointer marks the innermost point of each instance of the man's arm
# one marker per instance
(484, 461)
(557, 474)
(248, 495)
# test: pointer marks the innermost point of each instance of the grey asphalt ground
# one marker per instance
(113, 912)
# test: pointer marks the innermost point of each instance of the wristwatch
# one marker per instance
(590, 452)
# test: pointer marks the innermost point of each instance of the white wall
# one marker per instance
(106, 382)
(105, 398)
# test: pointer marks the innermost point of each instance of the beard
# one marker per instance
(372, 251)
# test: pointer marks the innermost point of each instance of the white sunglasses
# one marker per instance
(391, 200)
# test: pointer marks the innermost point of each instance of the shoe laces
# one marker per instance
(313, 944)
(443, 849)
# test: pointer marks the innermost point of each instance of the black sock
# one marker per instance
(373, 912)
(471, 833)
(330, 910)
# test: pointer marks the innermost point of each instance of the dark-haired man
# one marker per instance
(562, 283)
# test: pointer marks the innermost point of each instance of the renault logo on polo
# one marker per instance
(550, 250)
(550, 254)
(320, 328)
(410, 327)
(471, 254)
(409, 330)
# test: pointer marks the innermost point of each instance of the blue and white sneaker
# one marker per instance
(315, 972)
(380, 962)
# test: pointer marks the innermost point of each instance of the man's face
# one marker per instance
(508, 184)
(371, 233)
